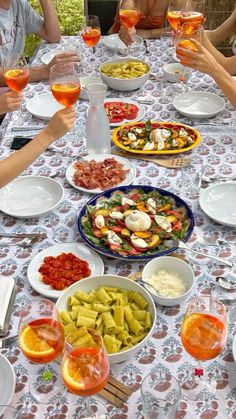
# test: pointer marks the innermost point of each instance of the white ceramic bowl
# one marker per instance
(84, 81)
(173, 71)
(124, 85)
(169, 263)
(94, 282)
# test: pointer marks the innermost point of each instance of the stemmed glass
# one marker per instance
(91, 32)
(41, 339)
(203, 335)
(193, 13)
(85, 365)
(174, 13)
(182, 39)
(129, 13)
(65, 84)
(16, 73)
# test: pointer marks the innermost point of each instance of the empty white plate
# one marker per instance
(114, 42)
(7, 382)
(95, 262)
(100, 157)
(30, 196)
(200, 105)
(46, 58)
(219, 203)
(43, 106)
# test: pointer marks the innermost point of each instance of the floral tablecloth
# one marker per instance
(217, 153)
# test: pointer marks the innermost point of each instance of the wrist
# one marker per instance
(44, 138)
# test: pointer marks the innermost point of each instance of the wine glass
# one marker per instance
(203, 335)
(85, 365)
(41, 339)
(174, 13)
(193, 14)
(182, 39)
(129, 13)
(65, 84)
(91, 32)
(16, 73)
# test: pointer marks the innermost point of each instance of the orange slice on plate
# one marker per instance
(32, 345)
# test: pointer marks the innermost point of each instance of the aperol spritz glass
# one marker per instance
(65, 84)
(174, 13)
(41, 339)
(193, 13)
(129, 13)
(85, 365)
(16, 74)
(91, 33)
(203, 335)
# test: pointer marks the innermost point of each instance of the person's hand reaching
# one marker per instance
(126, 35)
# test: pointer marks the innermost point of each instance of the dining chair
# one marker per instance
(104, 9)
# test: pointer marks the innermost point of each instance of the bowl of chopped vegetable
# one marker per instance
(124, 74)
(135, 222)
(155, 137)
(171, 280)
(119, 308)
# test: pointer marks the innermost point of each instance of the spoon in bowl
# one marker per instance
(225, 283)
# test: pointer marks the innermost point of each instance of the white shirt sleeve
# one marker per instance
(33, 21)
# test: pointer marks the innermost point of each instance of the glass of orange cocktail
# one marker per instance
(41, 339)
(174, 13)
(16, 73)
(203, 335)
(91, 32)
(193, 13)
(129, 13)
(85, 365)
(65, 84)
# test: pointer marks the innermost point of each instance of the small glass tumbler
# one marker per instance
(191, 176)
(97, 410)
(161, 395)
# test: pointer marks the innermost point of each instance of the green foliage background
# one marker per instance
(70, 13)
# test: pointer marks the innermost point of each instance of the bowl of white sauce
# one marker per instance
(171, 280)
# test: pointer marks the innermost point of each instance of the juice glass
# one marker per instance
(203, 335)
(41, 339)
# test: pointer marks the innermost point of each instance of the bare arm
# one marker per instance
(42, 72)
(51, 29)
(16, 163)
(229, 63)
(223, 31)
(203, 61)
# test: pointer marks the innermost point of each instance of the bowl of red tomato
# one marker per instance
(121, 111)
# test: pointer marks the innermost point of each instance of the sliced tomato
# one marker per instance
(176, 213)
(116, 229)
(134, 252)
(97, 233)
(130, 110)
(177, 226)
(118, 111)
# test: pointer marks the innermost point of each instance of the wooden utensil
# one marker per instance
(115, 392)
(170, 163)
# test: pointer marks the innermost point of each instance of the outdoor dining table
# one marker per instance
(164, 351)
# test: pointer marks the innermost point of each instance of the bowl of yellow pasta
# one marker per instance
(125, 74)
(119, 308)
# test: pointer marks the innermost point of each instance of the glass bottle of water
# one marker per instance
(98, 137)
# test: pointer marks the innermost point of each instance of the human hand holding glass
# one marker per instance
(41, 339)
(203, 335)
(129, 13)
(16, 73)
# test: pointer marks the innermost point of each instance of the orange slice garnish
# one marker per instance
(32, 345)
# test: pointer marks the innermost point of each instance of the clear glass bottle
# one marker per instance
(98, 136)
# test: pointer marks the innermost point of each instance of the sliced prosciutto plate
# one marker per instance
(102, 172)
(120, 111)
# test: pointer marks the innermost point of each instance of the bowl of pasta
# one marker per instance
(119, 308)
(125, 74)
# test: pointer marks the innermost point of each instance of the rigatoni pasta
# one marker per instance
(121, 316)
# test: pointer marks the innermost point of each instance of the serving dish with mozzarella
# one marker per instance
(134, 222)
(151, 137)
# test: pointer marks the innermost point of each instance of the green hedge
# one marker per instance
(70, 14)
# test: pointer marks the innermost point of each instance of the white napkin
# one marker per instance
(6, 288)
